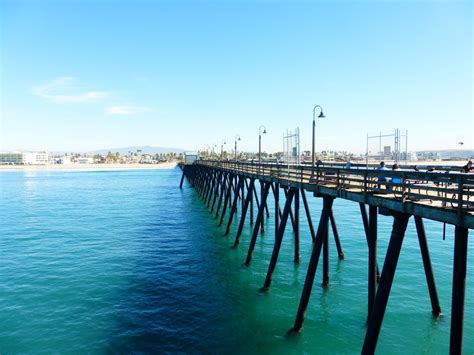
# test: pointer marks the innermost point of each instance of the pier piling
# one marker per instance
(244, 211)
(459, 289)
(279, 239)
(261, 211)
(297, 226)
(372, 273)
(425, 255)
(313, 263)
(340, 253)
(377, 313)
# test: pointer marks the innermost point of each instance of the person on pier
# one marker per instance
(467, 168)
(382, 178)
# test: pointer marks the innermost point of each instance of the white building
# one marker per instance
(65, 160)
(24, 158)
(85, 160)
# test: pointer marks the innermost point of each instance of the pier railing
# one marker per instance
(445, 191)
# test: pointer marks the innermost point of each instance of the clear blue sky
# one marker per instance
(81, 75)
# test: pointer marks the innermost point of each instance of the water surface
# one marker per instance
(101, 261)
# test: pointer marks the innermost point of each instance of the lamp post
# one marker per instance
(260, 143)
(321, 115)
(222, 148)
(212, 154)
(237, 138)
(262, 226)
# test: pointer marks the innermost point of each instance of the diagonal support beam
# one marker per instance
(308, 215)
(279, 239)
(244, 212)
(223, 190)
(425, 255)
(335, 232)
(227, 198)
(400, 223)
(365, 221)
(256, 227)
(313, 263)
(182, 180)
(234, 205)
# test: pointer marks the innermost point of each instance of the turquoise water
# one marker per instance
(119, 261)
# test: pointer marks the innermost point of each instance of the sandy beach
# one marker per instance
(83, 167)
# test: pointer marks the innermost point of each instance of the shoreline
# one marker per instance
(82, 167)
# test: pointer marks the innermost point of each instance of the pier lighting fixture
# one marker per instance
(213, 146)
(222, 148)
(321, 115)
(237, 138)
(260, 143)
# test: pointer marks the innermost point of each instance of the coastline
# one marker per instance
(168, 165)
(82, 167)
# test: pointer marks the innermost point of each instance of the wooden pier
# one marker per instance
(444, 196)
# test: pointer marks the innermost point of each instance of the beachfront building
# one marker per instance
(65, 160)
(11, 158)
(85, 160)
(24, 158)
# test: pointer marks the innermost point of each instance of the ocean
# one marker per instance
(125, 261)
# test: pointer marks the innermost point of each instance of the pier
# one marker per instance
(444, 196)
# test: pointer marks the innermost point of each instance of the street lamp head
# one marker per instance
(264, 131)
(321, 115)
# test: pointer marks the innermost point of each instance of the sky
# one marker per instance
(80, 75)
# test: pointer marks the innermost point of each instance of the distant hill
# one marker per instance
(452, 153)
(145, 149)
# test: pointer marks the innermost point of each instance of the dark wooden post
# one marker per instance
(372, 274)
(365, 221)
(425, 255)
(378, 311)
(227, 199)
(340, 253)
(244, 212)
(256, 228)
(234, 205)
(262, 225)
(278, 240)
(297, 226)
(276, 195)
(308, 215)
(459, 289)
(182, 179)
(325, 282)
(313, 263)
